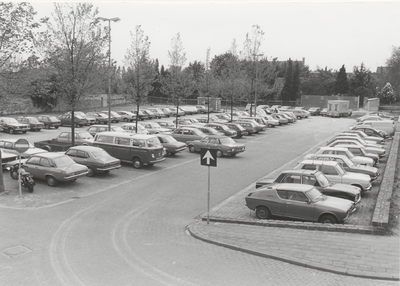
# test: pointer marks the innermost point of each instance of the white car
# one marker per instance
(339, 150)
(127, 116)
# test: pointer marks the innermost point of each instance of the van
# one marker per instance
(138, 149)
(386, 125)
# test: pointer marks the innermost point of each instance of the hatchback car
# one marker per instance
(66, 120)
(33, 122)
(296, 201)
(224, 145)
(53, 167)
(94, 158)
(171, 145)
(316, 179)
(49, 121)
(370, 131)
(186, 133)
(11, 125)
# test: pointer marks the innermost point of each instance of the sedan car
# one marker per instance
(114, 116)
(298, 201)
(171, 145)
(224, 145)
(52, 167)
(186, 133)
(209, 131)
(370, 131)
(149, 113)
(141, 115)
(316, 179)
(166, 124)
(49, 121)
(33, 122)
(99, 117)
(66, 120)
(11, 125)
(96, 159)
(127, 116)
(240, 131)
(380, 152)
(223, 128)
(9, 146)
(81, 137)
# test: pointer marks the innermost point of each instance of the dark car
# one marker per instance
(171, 145)
(141, 115)
(49, 121)
(96, 159)
(223, 128)
(316, 179)
(99, 117)
(300, 202)
(66, 120)
(224, 145)
(186, 133)
(150, 114)
(314, 110)
(11, 125)
(33, 122)
(240, 131)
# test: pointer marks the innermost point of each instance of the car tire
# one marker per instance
(91, 172)
(51, 181)
(192, 149)
(47, 126)
(219, 153)
(137, 163)
(263, 212)
(97, 121)
(56, 127)
(11, 131)
(327, 219)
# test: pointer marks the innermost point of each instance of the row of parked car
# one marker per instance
(325, 186)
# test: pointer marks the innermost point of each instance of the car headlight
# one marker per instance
(152, 156)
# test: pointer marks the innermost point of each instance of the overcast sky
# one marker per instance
(327, 34)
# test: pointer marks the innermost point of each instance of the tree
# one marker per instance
(341, 84)
(140, 73)
(296, 82)
(393, 64)
(387, 94)
(362, 84)
(73, 46)
(287, 90)
(17, 28)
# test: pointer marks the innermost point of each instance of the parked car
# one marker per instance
(339, 150)
(271, 122)
(370, 131)
(202, 109)
(359, 151)
(94, 129)
(52, 167)
(171, 145)
(99, 117)
(176, 112)
(324, 112)
(94, 158)
(66, 120)
(355, 137)
(141, 115)
(7, 157)
(33, 122)
(157, 112)
(250, 127)
(258, 127)
(154, 127)
(209, 131)
(49, 121)
(383, 115)
(188, 109)
(167, 111)
(281, 120)
(114, 116)
(314, 110)
(79, 114)
(335, 173)
(240, 130)
(370, 150)
(150, 114)
(376, 139)
(131, 128)
(11, 125)
(127, 116)
(370, 117)
(224, 145)
(223, 128)
(186, 133)
(316, 179)
(385, 125)
(8, 145)
(298, 201)
(347, 164)
(81, 137)
(166, 124)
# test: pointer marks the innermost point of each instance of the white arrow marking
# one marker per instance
(208, 156)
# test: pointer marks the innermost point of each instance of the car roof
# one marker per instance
(85, 148)
(127, 134)
(301, 172)
(318, 162)
(49, 155)
(293, 187)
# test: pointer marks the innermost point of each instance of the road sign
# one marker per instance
(208, 157)
(21, 146)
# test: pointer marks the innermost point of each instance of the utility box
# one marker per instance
(215, 103)
(339, 108)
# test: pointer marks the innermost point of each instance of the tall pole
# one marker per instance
(109, 66)
(255, 87)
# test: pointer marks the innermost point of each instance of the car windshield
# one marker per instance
(323, 180)
(153, 142)
(168, 139)
(340, 169)
(33, 120)
(227, 141)
(85, 135)
(10, 120)
(315, 195)
(100, 154)
(63, 161)
(118, 129)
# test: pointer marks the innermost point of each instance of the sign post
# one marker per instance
(208, 157)
(22, 145)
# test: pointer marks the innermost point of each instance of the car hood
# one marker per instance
(357, 177)
(344, 188)
(333, 203)
(364, 160)
(367, 168)
(374, 150)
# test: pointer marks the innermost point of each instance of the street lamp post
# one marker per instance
(255, 88)
(109, 66)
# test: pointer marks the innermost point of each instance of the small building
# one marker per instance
(215, 102)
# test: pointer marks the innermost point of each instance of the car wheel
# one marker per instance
(31, 188)
(47, 126)
(56, 127)
(11, 131)
(97, 121)
(219, 153)
(263, 212)
(51, 181)
(126, 119)
(23, 132)
(327, 219)
(91, 172)
(137, 163)
(192, 149)
(14, 173)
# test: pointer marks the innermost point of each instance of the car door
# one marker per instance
(45, 167)
(32, 165)
(331, 173)
(203, 143)
(297, 206)
(81, 157)
(63, 137)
